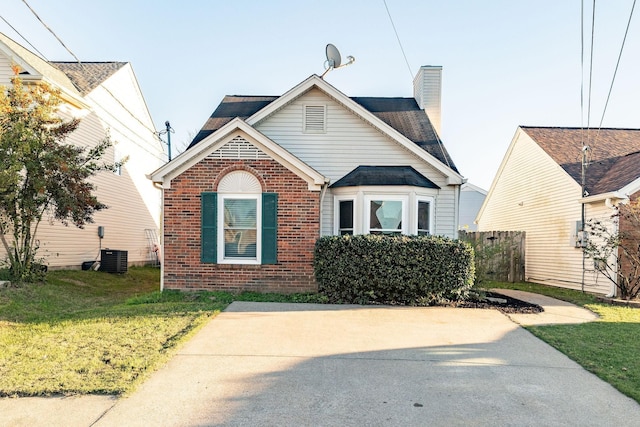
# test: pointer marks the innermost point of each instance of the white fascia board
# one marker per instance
(35, 76)
(470, 187)
(453, 178)
(631, 188)
(385, 190)
(622, 194)
(211, 143)
(617, 195)
(24, 65)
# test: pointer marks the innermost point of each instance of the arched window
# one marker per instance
(239, 222)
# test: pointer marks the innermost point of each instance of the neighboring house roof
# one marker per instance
(33, 65)
(384, 175)
(614, 154)
(76, 79)
(468, 187)
(86, 76)
(402, 114)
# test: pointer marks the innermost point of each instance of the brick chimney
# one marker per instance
(427, 90)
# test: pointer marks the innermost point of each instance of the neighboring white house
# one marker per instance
(538, 190)
(107, 98)
(471, 199)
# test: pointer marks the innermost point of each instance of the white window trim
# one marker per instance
(362, 196)
(336, 213)
(386, 197)
(431, 201)
(221, 258)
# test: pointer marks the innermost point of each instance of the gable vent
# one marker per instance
(315, 118)
(238, 148)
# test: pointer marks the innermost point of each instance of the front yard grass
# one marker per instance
(609, 347)
(85, 332)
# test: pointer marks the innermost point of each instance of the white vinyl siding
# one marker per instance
(133, 202)
(348, 143)
(532, 193)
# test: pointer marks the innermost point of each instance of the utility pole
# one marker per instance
(583, 186)
(168, 125)
(168, 130)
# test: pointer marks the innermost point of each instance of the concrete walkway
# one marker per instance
(270, 364)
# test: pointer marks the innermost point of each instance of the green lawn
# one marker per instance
(93, 332)
(609, 347)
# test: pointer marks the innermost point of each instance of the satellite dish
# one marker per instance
(333, 56)
(334, 60)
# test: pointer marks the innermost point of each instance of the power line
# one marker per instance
(398, 37)
(87, 71)
(50, 30)
(617, 64)
(23, 37)
(153, 131)
(593, 24)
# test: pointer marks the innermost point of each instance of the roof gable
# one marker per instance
(219, 138)
(614, 154)
(399, 118)
(35, 66)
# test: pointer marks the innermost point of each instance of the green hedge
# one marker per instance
(405, 270)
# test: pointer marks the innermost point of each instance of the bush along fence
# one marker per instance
(499, 255)
(406, 270)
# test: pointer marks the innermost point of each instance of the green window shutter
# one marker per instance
(269, 228)
(209, 221)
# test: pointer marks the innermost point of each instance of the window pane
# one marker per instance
(423, 218)
(346, 217)
(240, 234)
(386, 216)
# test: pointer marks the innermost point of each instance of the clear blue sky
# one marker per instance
(505, 63)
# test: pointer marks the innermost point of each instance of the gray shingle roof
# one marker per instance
(384, 175)
(88, 75)
(402, 114)
(614, 160)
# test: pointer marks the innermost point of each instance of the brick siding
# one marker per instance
(298, 229)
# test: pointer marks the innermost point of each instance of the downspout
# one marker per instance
(161, 236)
(323, 191)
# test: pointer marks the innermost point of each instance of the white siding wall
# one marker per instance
(470, 202)
(5, 70)
(348, 143)
(532, 193)
(134, 204)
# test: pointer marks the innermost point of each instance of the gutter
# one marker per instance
(323, 191)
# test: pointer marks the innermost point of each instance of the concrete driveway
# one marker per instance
(269, 364)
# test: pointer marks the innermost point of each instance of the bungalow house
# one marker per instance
(267, 175)
(538, 190)
(106, 97)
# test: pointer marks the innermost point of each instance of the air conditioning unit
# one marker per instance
(113, 261)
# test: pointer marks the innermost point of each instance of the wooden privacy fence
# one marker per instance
(500, 255)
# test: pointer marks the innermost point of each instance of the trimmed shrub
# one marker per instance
(403, 270)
